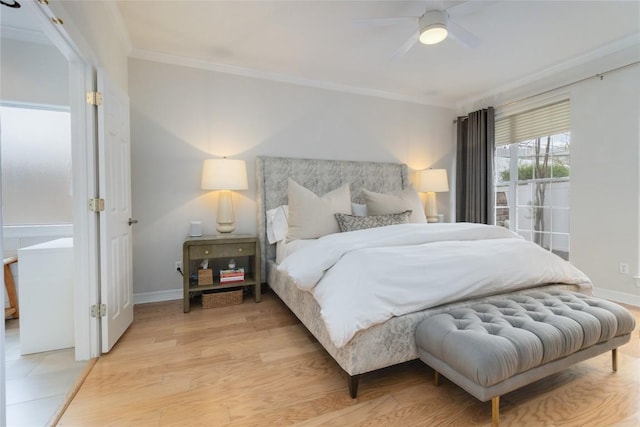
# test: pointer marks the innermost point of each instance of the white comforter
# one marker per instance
(365, 277)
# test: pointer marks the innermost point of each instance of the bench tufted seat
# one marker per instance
(495, 346)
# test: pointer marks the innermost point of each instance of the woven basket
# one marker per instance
(222, 299)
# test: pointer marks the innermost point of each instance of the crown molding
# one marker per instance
(286, 78)
(563, 73)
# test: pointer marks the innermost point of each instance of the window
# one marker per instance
(532, 164)
(36, 165)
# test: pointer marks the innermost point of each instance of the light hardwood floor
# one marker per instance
(256, 365)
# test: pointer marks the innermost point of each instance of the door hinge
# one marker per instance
(99, 310)
(96, 204)
(94, 98)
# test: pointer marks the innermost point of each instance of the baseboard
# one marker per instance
(157, 296)
(617, 296)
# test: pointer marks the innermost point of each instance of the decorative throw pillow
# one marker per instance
(407, 199)
(311, 216)
(353, 222)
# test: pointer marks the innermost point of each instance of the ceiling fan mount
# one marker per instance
(433, 26)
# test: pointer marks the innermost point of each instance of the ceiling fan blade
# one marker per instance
(406, 46)
(469, 6)
(462, 36)
(383, 22)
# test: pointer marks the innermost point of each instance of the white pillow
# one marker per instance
(400, 201)
(277, 223)
(311, 216)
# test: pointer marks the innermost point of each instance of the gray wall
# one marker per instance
(181, 116)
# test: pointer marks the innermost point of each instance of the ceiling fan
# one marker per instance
(432, 27)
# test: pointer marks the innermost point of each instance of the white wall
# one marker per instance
(98, 34)
(33, 73)
(605, 195)
(181, 116)
(605, 160)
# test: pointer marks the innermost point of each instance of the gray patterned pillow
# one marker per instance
(352, 223)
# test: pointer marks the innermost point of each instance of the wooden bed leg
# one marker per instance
(495, 411)
(354, 381)
(436, 378)
(614, 359)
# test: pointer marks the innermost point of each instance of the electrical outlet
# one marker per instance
(178, 265)
(623, 268)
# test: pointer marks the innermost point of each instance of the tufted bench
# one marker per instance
(505, 342)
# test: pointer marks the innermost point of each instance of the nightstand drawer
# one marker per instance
(221, 251)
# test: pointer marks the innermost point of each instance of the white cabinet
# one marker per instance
(46, 296)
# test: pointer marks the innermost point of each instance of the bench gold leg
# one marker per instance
(495, 411)
(614, 359)
(436, 378)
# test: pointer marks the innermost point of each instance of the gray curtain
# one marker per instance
(474, 170)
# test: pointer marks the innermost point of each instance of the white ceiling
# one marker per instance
(320, 42)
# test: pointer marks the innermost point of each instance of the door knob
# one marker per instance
(133, 221)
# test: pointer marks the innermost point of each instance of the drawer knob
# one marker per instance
(239, 249)
(206, 252)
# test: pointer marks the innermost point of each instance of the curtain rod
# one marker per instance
(599, 75)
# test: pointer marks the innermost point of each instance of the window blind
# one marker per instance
(548, 120)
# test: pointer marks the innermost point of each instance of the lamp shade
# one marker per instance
(432, 180)
(224, 174)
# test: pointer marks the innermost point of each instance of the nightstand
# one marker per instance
(218, 250)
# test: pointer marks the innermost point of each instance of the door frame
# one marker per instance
(82, 78)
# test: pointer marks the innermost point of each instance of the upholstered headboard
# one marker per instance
(319, 176)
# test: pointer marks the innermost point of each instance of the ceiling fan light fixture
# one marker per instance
(433, 26)
(434, 34)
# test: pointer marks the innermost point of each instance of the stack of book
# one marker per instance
(232, 275)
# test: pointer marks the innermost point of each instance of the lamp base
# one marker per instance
(226, 219)
(225, 228)
(431, 207)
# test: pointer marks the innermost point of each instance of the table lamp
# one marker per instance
(432, 181)
(224, 175)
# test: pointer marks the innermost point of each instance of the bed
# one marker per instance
(381, 345)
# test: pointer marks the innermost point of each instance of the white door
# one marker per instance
(114, 175)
